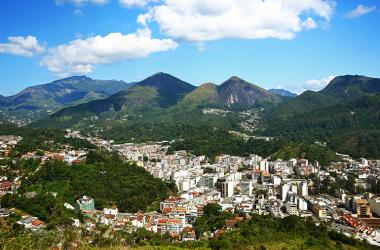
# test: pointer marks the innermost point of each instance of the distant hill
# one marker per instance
(350, 87)
(282, 92)
(345, 114)
(40, 100)
(305, 102)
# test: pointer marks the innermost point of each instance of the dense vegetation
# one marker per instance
(312, 152)
(103, 176)
(258, 232)
(351, 128)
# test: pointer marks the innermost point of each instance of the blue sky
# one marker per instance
(273, 43)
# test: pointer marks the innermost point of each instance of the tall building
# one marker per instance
(304, 189)
(295, 187)
(285, 190)
(363, 208)
(226, 189)
(264, 166)
(375, 205)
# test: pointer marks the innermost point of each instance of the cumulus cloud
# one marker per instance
(206, 20)
(22, 46)
(81, 2)
(360, 10)
(81, 55)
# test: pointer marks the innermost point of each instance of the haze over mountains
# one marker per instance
(282, 92)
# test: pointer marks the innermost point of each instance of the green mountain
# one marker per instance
(234, 91)
(350, 87)
(169, 88)
(303, 103)
(205, 94)
(346, 115)
(340, 90)
(282, 92)
(38, 101)
(162, 97)
(154, 93)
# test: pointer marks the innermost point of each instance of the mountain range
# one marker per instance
(343, 114)
(163, 91)
(38, 101)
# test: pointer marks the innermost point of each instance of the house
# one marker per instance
(173, 226)
(32, 223)
(86, 204)
(188, 234)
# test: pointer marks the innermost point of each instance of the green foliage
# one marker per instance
(213, 142)
(269, 232)
(311, 152)
(351, 128)
(213, 219)
(105, 177)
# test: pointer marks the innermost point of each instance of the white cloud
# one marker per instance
(22, 46)
(81, 55)
(313, 84)
(81, 2)
(134, 3)
(78, 12)
(317, 84)
(206, 20)
(360, 10)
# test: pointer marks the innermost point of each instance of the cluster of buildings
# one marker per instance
(7, 143)
(239, 184)
(257, 185)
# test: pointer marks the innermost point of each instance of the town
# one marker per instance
(340, 195)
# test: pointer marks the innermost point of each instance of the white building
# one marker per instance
(276, 180)
(227, 189)
(264, 166)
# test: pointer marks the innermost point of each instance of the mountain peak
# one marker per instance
(234, 78)
(160, 74)
(74, 78)
(170, 88)
(238, 91)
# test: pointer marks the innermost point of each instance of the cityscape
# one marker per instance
(189, 124)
